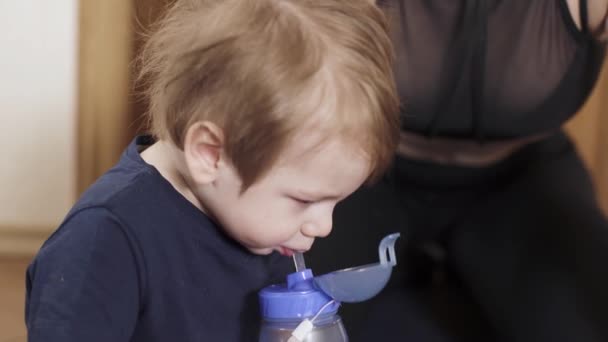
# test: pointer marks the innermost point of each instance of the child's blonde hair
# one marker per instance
(263, 70)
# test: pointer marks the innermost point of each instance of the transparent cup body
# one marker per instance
(328, 329)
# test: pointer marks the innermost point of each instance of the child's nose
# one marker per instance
(318, 228)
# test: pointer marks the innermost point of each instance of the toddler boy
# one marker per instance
(264, 114)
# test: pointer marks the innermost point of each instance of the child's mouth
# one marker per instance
(286, 251)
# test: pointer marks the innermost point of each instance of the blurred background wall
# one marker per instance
(589, 129)
(64, 108)
(38, 96)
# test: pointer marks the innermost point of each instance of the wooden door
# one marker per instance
(106, 49)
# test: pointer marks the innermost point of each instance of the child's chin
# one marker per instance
(261, 251)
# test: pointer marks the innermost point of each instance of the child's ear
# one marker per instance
(203, 147)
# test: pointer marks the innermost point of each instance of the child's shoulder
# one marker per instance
(132, 194)
(128, 181)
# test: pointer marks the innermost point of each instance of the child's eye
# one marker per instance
(302, 201)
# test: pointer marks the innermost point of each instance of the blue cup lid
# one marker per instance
(304, 295)
(297, 299)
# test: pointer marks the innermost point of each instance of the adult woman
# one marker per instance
(485, 181)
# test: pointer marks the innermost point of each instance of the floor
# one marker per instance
(12, 297)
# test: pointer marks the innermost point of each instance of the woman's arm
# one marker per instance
(597, 11)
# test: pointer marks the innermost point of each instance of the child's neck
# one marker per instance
(168, 161)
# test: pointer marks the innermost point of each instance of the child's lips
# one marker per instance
(286, 251)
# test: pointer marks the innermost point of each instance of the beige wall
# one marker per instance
(37, 118)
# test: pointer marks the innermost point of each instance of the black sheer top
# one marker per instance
(491, 69)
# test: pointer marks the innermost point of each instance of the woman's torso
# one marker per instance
(490, 70)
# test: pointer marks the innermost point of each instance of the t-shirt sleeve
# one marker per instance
(84, 283)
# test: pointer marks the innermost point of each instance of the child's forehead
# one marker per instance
(318, 145)
(316, 165)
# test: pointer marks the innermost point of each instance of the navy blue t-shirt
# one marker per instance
(135, 261)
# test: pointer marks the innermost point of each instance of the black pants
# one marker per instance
(517, 251)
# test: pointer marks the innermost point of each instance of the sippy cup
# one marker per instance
(305, 308)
